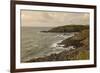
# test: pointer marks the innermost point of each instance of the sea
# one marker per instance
(35, 44)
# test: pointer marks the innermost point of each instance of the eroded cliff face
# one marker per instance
(78, 40)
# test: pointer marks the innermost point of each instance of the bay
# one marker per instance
(35, 43)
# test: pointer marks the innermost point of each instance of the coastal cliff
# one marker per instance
(68, 28)
(80, 42)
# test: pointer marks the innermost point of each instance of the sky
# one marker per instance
(52, 19)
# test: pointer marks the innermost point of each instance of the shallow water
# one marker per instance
(36, 44)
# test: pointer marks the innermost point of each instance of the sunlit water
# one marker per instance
(36, 44)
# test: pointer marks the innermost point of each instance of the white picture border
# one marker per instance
(20, 65)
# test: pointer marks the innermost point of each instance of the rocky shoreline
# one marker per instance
(80, 43)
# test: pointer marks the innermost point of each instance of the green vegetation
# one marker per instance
(84, 54)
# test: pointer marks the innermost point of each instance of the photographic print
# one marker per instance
(48, 36)
(54, 36)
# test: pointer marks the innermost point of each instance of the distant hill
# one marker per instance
(69, 28)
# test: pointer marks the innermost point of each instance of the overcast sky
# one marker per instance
(51, 19)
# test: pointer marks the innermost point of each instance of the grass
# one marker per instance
(83, 55)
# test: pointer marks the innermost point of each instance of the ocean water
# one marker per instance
(35, 43)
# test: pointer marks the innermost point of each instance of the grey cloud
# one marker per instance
(42, 18)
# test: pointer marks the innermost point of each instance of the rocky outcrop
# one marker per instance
(78, 40)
